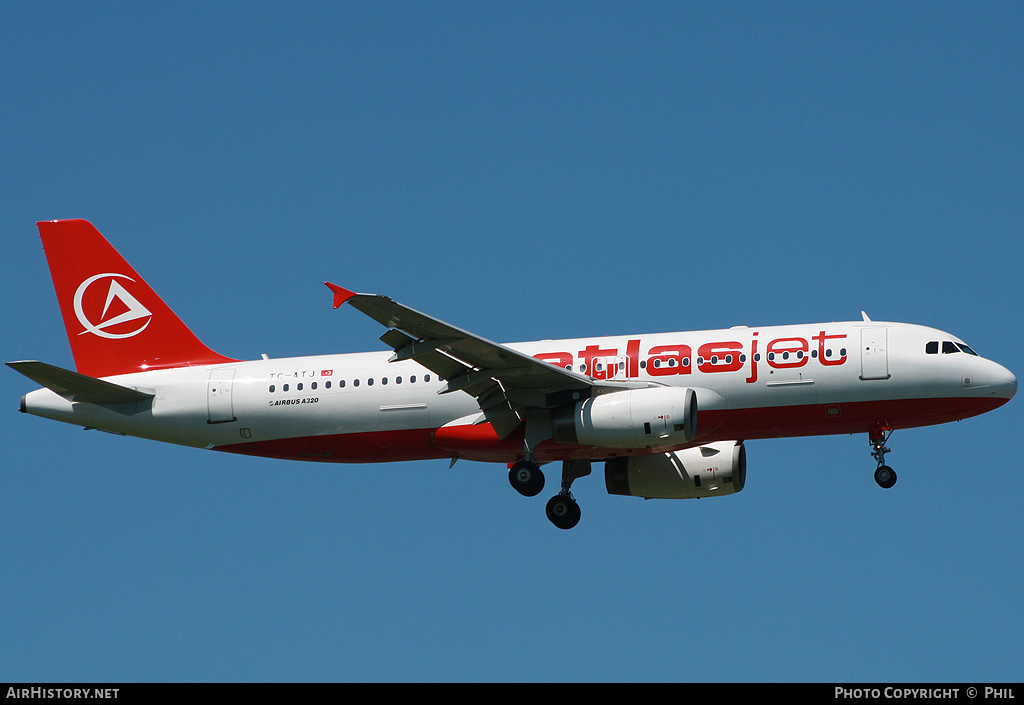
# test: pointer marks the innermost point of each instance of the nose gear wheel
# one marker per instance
(885, 476)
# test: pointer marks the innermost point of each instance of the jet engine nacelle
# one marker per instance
(634, 418)
(705, 471)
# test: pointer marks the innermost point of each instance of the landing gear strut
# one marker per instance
(885, 476)
(528, 480)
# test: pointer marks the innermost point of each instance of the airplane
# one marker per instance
(628, 401)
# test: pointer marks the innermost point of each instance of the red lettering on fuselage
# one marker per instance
(823, 356)
(589, 356)
(669, 360)
(783, 353)
(557, 358)
(713, 357)
(720, 357)
(753, 359)
(633, 358)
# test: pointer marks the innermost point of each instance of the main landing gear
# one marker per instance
(562, 510)
(526, 477)
(885, 476)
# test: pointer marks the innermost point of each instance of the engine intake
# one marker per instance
(705, 471)
(636, 418)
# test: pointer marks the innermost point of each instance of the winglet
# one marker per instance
(340, 295)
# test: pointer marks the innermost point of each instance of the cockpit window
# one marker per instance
(948, 347)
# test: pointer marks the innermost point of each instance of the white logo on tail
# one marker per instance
(135, 310)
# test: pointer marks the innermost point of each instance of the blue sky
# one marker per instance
(525, 171)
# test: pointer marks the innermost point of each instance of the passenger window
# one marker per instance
(948, 347)
(932, 348)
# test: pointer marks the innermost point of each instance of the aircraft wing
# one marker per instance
(505, 382)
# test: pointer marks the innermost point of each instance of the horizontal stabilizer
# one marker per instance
(78, 387)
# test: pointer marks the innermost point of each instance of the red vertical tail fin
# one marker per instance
(115, 322)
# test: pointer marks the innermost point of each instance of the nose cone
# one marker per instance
(1004, 383)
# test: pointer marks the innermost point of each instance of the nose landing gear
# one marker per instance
(885, 476)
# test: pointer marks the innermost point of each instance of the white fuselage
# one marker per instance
(750, 383)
